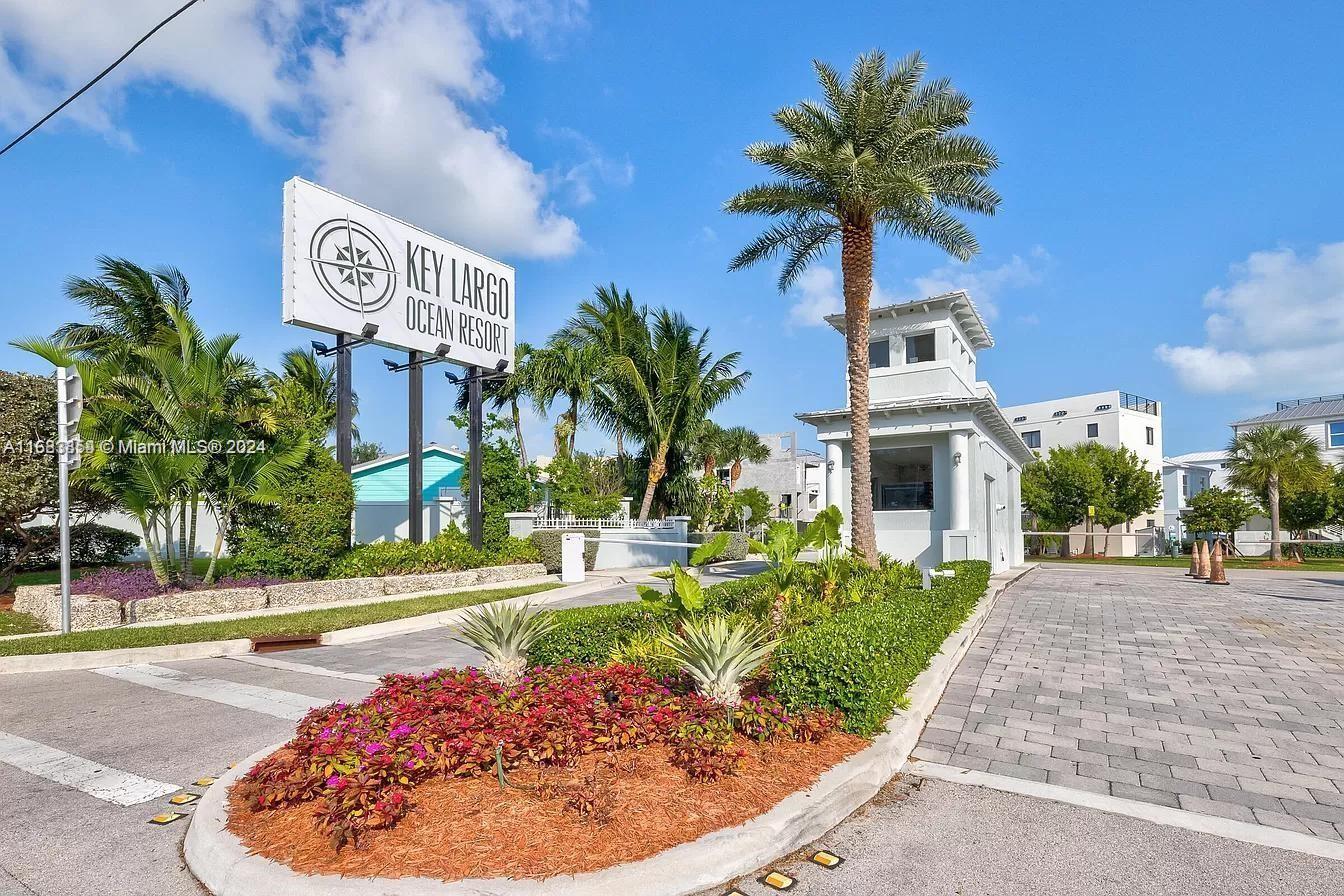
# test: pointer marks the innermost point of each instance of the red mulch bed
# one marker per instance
(468, 827)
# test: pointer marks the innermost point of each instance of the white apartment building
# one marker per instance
(1186, 475)
(945, 465)
(1114, 418)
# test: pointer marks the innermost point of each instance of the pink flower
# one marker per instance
(371, 749)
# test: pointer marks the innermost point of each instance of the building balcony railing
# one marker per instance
(1298, 402)
(1138, 403)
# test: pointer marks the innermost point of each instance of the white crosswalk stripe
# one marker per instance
(108, 784)
(270, 701)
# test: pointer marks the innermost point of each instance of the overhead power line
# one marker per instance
(78, 93)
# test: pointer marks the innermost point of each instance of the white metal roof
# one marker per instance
(958, 303)
(1305, 411)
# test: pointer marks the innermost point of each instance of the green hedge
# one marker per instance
(91, 545)
(737, 543)
(449, 551)
(590, 634)
(547, 543)
(300, 535)
(1325, 550)
(862, 660)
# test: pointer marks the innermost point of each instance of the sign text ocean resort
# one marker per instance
(455, 302)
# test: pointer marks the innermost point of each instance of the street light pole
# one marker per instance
(474, 427)
(416, 448)
(345, 452)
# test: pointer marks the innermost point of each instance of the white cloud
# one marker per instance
(1277, 328)
(818, 295)
(589, 169)
(985, 284)
(373, 94)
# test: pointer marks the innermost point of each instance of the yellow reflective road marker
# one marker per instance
(167, 817)
(203, 782)
(183, 798)
(734, 892)
(826, 859)
(778, 880)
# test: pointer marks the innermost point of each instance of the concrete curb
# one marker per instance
(164, 653)
(223, 865)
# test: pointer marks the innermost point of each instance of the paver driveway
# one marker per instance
(1146, 685)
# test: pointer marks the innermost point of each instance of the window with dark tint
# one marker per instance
(1149, 433)
(903, 478)
(879, 354)
(919, 348)
(1033, 438)
(1336, 430)
(1091, 430)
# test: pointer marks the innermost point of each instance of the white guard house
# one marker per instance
(946, 464)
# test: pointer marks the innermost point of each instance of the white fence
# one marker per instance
(614, 522)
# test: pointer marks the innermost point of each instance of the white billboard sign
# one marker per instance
(348, 266)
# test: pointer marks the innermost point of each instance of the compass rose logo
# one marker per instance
(353, 265)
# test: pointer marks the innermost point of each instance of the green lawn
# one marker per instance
(301, 623)
(1309, 565)
(12, 623)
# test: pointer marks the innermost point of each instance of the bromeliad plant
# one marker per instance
(718, 655)
(504, 633)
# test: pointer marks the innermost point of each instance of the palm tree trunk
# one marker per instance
(657, 470)
(183, 553)
(856, 264)
(620, 454)
(214, 558)
(191, 536)
(152, 551)
(518, 431)
(1275, 548)
(574, 418)
(734, 474)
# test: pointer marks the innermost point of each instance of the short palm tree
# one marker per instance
(1269, 459)
(569, 372)
(609, 322)
(130, 307)
(708, 446)
(669, 381)
(740, 445)
(882, 150)
(303, 394)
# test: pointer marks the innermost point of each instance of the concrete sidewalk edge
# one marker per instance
(223, 865)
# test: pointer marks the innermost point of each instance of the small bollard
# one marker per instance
(1217, 575)
(1203, 571)
(571, 557)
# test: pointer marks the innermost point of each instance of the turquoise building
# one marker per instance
(381, 502)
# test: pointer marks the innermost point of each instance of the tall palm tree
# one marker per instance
(130, 307)
(570, 372)
(670, 381)
(1270, 459)
(881, 150)
(303, 394)
(609, 323)
(740, 445)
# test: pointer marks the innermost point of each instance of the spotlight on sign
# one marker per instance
(502, 365)
(368, 331)
(443, 350)
(319, 347)
(167, 817)
(825, 859)
(778, 880)
(390, 365)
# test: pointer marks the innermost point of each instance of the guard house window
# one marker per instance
(1337, 434)
(1148, 432)
(903, 478)
(1032, 438)
(879, 354)
(919, 348)
(1091, 430)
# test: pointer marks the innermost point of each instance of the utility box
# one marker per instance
(571, 557)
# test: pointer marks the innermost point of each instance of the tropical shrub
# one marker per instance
(91, 545)
(504, 633)
(718, 655)
(1323, 549)
(304, 532)
(592, 634)
(358, 765)
(547, 543)
(862, 659)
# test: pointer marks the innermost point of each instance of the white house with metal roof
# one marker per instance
(946, 464)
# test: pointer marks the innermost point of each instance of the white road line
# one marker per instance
(108, 784)
(270, 701)
(305, 668)
(1177, 818)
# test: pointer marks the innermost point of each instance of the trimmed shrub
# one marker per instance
(301, 535)
(862, 660)
(547, 543)
(449, 551)
(737, 544)
(1323, 550)
(591, 634)
(91, 545)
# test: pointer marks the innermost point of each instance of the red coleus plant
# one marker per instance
(358, 764)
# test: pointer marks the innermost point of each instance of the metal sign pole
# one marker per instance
(345, 452)
(474, 427)
(69, 400)
(415, 457)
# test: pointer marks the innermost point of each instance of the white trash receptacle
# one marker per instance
(571, 557)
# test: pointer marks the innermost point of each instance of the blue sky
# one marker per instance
(1170, 223)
